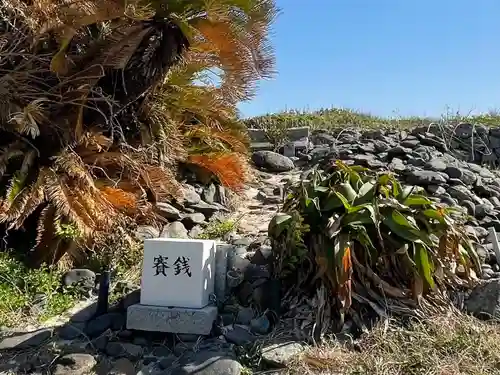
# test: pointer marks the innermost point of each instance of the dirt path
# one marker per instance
(261, 200)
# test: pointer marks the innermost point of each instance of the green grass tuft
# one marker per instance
(20, 288)
(218, 229)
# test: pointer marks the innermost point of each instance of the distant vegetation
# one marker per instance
(336, 117)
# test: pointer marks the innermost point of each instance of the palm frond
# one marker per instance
(101, 99)
(230, 169)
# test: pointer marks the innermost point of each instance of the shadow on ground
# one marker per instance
(90, 344)
(78, 346)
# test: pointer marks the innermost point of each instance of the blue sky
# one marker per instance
(385, 57)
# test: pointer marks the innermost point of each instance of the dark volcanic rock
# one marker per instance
(144, 232)
(71, 331)
(193, 219)
(25, 340)
(168, 211)
(209, 193)
(100, 324)
(438, 165)
(426, 178)
(190, 196)
(83, 277)
(462, 193)
(174, 230)
(466, 175)
(74, 364)
(272, 161)
(207, 362)
(207, 209)
(484, 301)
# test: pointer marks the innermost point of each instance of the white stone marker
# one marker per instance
(178, 272)
(177, 281)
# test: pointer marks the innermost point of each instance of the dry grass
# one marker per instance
(454, 344)
(338, 118)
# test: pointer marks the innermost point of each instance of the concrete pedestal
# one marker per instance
(171, 319)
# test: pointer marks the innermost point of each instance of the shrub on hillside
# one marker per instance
(371, 242)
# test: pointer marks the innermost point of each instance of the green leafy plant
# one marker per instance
(286, 233)
(218, 229)
(375, 242)
(68, 231)
(31, 293)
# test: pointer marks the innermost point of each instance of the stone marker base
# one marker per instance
(171, 319)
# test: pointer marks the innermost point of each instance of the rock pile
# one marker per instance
(187, 218)
(104, 340)
(450, 171)
(455, 167)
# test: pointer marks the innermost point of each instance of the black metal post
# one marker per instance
(103, 296)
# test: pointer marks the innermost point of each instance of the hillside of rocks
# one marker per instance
(456, 168)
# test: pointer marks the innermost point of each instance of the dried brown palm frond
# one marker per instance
(232, 37)
(162, 133)
(230, 168)
(213, 139)
(92, 124)
(132, 168)
(63, 148)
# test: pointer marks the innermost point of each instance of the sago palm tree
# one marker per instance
(100, 102)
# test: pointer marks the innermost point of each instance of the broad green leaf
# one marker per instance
(312, 207)
(433, 214)
(396, 188)
(368, 206)
(392, 204)
(449, 210)
(405, 221)
(355, 181)
(278, 223)
(360, 217)
(360, 234)
(384, 191)
(438, 214)
(360, 207)
(344, 200)
(417, 200)
(358, 168)
(423, 263)
(424, 221)
(366, 188)
(406, 231)
(365, 194)
(331, 202)
(384, 179)
(347, 191)
(354, 178)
